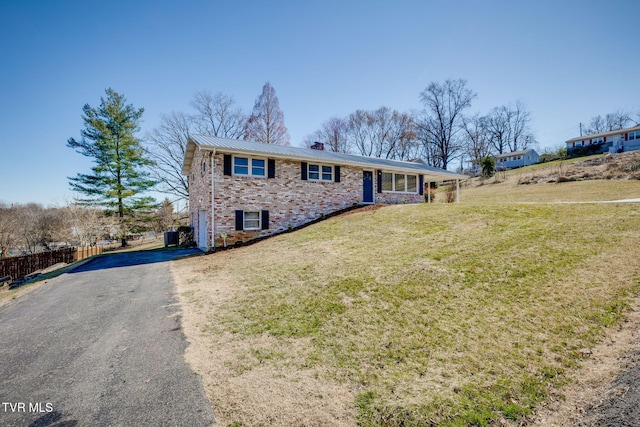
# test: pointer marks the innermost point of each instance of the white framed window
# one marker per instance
(399, 182)
(387, 181)
(252, 220)
(633, 135)
(319, 172)
(249, 166)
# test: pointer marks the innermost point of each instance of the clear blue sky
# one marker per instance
(567, 60)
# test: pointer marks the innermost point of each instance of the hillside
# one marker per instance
(413, 314)
(594, 178)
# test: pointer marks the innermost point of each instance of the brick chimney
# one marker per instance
(317, 146)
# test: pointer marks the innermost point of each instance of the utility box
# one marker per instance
(170, 238)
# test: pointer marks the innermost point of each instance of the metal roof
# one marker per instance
(515, 153)
(609, 133)
(234, 146)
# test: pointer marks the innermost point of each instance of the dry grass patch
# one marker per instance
(408, 315)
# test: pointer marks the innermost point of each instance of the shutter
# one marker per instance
(379, 173)
(271, 168)
(227, 164)
(626, 136)
(265, 220)
(336, 171)
(239, 220)
(303, 171)
(421, 184)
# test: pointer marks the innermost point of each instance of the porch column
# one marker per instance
(457, 191)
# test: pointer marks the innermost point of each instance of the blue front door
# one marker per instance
(367, 187)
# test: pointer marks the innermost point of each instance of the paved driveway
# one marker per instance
(101, 346)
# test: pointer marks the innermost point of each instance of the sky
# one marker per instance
(566, 60)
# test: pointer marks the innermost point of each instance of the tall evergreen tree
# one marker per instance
(119, 178)
(266, 122)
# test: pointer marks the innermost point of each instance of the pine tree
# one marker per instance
(266, 122)
(119, 176)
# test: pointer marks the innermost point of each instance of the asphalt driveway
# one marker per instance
(101, 345)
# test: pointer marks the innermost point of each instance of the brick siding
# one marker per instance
(289, 200)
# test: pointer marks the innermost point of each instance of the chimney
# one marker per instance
(317, 146)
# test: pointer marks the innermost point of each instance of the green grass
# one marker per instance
(450, 315)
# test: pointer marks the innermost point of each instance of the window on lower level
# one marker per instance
(251, 220)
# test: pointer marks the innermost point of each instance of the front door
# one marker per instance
(367, 187)
(202, 230)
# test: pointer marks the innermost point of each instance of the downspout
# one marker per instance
(213, 215)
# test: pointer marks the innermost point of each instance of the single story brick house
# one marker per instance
(243, 190)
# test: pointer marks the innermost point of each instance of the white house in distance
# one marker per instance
(517, 159)
(615, 141)
(514, 159)
(243, 190)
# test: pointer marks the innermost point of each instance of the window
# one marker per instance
(632, 135)
(387, 181)
(412, 184)
(204, 166)
(399, 182)
(249, 167)
(252, 221)
(320, 172)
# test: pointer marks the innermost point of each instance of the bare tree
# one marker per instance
(596, 125)
(441, 122)
(164, 217)
(521, 134)
(612, 121)
(618, 120)
(509, 127)
(266, 122)
(85, 225)
(383, 133)
(476, 144)
(360, 130)
(8, 228)
(498, 128)
(333, 133)
(166, 146)
(217, 115)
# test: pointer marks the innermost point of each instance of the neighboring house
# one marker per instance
(261, 189)
(517, 159)
(514, 159)
(616, 141)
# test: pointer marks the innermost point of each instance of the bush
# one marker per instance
(185, 237)
(450, 193)
(488, 166)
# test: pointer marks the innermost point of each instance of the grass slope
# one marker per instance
(409, 315)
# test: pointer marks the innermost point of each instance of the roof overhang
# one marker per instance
(302, 155)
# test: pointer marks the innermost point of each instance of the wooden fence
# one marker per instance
(20, 266)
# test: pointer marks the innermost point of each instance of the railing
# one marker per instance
(21, 266)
